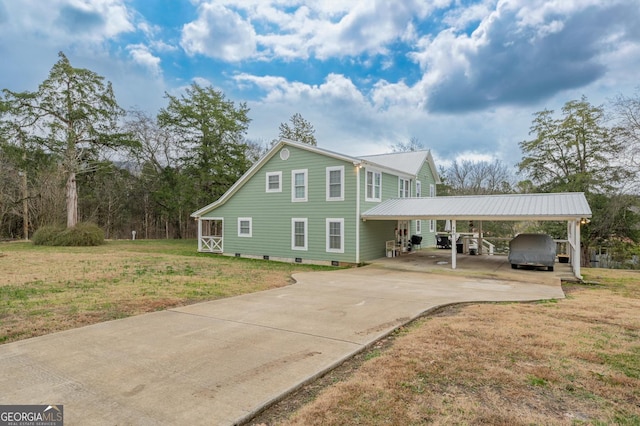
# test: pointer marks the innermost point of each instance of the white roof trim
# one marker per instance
(515, 207)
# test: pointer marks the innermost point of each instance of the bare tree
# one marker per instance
(478, 177)
(414, 144)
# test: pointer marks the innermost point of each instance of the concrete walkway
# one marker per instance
(219, 362)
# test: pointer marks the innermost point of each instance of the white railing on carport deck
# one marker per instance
(210, 244)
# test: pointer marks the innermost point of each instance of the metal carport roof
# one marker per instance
(569, 206)
(514, 207)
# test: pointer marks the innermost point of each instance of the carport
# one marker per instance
(571, 207)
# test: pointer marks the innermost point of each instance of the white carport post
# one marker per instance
(573, 235)
(453, 244)
(577, 258)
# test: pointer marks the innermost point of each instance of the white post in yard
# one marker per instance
(454, 246)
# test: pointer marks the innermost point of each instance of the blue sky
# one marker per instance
(463, 77)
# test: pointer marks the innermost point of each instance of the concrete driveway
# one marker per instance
(219, 362)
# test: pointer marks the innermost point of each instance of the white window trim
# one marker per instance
(432, 190)
(402, 189)
(269, 174)
(293, 233)
(418, 227)
(328, 245)
(243, 219)
(328, 174)
(418, 188)
(366, 185)
(293, 185)
(432, 225)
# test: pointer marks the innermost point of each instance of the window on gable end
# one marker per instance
(274, 182)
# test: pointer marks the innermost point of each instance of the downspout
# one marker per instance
(358, 212)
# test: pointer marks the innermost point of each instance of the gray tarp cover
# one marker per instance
(532, 249)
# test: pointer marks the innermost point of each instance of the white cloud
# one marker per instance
(141, 55)
(70, 21)
(219, 33)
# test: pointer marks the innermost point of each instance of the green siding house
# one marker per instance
(301, 203)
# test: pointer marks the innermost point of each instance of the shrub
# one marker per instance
(83, 234)
(45, 235)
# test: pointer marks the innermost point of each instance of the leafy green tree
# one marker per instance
(578, 152)
(75, 115)
(300, 130)
(210, 130)
(575, 152)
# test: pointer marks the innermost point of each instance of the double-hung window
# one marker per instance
(274, 182)
(418, 189)
(335, 235)
(418, 226)
(299, 183)
(299, 233)
(374, 183)
(335, 183)
(244, 227)
(432, 190)
(404, 188)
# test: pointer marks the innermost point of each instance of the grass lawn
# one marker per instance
(47, 289)
(565, 362)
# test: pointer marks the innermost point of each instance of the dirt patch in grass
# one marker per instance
(48, 289)
(572, 361)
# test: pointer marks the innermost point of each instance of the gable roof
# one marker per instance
(409, 162)
(384, 164)
(554, 206)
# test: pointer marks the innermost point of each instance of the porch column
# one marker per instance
(454, 246)
(199, 234)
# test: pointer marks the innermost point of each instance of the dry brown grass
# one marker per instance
(573, 361)
(47, 289)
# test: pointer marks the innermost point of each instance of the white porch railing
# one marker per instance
(490, 247)
(211, 244)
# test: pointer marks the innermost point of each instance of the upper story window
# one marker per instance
(335, 183)
(374, 185)
(404, 188)
(418, 189)
(299, 183)
(432, 190)
(274, 182)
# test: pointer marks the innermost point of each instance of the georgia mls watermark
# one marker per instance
(31, 415)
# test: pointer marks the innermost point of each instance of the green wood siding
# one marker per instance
(271, 212)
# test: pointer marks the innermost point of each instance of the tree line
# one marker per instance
(69, 153)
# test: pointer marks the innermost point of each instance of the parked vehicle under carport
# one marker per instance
(532, 250)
